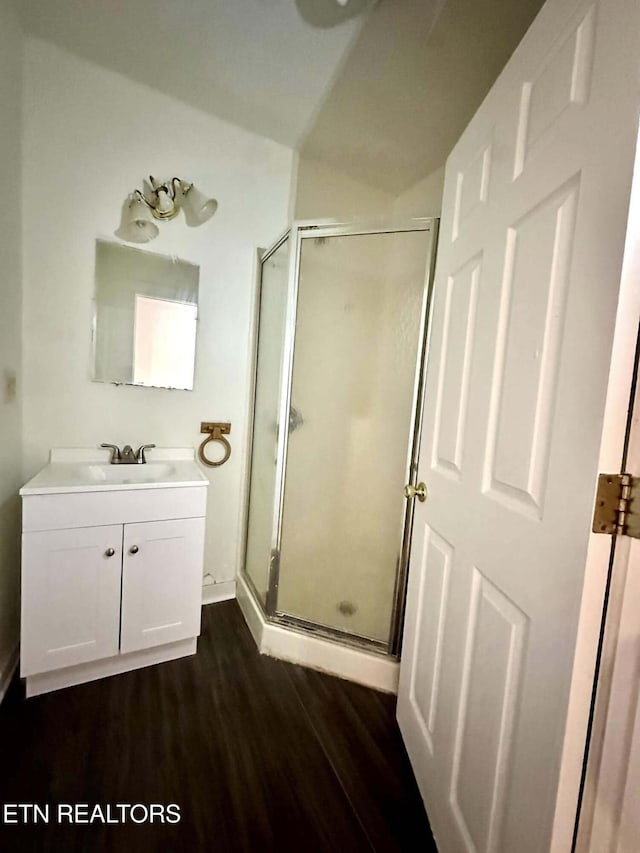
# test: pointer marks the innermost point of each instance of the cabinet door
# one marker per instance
(161, 582)
(70, 597)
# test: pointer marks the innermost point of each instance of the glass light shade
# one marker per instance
(137, 226)
(197, 207)
(165, 207)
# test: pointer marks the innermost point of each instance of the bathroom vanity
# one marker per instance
(112, 562)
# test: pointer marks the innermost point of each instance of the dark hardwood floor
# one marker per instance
(260, 755)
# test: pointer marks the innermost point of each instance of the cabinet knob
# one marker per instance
(110, 552)
(133, 549)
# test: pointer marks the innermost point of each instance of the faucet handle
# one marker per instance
(140, 452)
(115, 451)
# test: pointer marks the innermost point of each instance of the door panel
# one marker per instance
(357, 343)
(491, 680)
(264, 450)
(161, 582)
(457, 345)
(435, 567)
(70, 597)
(530, 325)
(532, 236)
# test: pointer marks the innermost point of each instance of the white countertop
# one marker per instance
(86, 470)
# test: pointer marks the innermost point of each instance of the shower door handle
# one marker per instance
(419, 491)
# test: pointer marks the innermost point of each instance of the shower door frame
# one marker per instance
(312, 229)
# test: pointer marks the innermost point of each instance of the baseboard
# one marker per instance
(69, 676)
(328, 656)
(223, 591)
(250, 610)
(8, 669)
(372, 670)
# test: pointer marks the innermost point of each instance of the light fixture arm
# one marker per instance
(163, 206)
(185, 186)
(139, 194)
(169, 187)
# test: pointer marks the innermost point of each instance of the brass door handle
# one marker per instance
(419, 491)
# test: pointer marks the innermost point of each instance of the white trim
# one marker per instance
(253, 616)
(377, 671)
(354, 225)
(71, 675)
(611, 782)
(9, 666)
(220, 591)
(599, 549)
(372, 670)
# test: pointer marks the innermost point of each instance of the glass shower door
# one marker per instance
(358, 340)
(270, 347)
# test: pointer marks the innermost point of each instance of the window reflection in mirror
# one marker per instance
(146, 308)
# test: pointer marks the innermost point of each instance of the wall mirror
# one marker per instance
(145, 318)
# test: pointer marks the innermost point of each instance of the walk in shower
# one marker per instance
(340, 358)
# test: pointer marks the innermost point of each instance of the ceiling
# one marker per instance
(382, 97)
(256, 63)
(413, 79)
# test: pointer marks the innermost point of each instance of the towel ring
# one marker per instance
(216, 432)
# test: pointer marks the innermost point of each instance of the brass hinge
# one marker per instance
(617, 509)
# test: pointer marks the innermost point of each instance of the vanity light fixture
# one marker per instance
(162, 200)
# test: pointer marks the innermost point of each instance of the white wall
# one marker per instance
(323, 192)
(424, 198)
(10, 310)
(90, 137)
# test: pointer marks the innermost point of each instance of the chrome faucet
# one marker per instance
(127, 456)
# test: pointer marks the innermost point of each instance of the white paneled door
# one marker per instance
(534, 218)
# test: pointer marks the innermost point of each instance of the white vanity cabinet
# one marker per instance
(111, 574)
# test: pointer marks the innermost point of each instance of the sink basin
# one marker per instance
(67, 472)
(150, 472)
